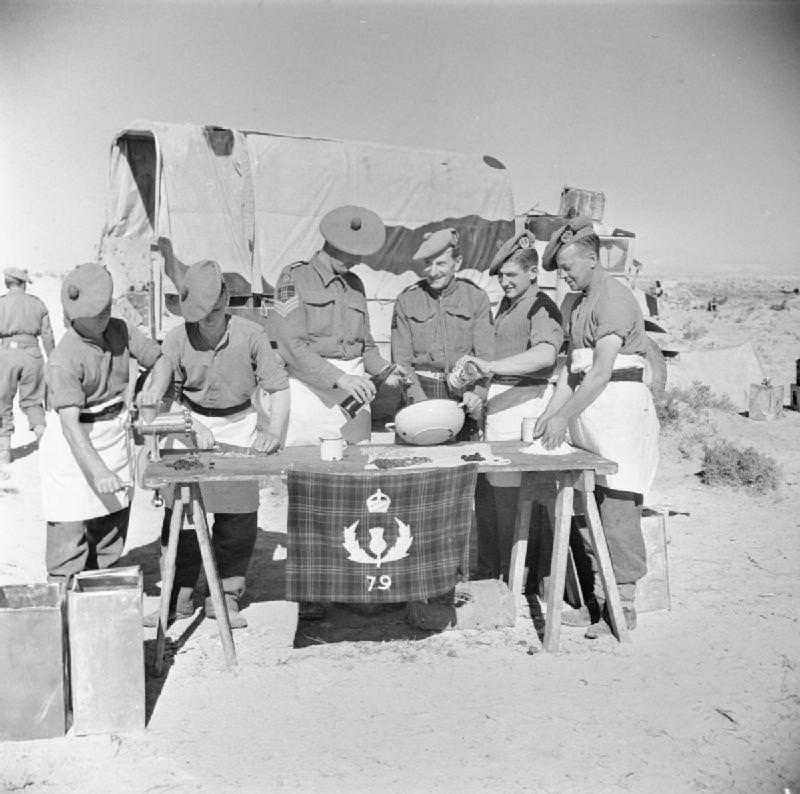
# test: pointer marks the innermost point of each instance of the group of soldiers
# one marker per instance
(241, 394)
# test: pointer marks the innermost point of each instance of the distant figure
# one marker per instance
(712, 304)
(23, 318)
(658, 290)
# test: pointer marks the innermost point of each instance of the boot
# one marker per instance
(236, 619)
(5, 449)
(183, 608)
(627, 596)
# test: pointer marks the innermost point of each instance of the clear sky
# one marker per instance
(687, 116)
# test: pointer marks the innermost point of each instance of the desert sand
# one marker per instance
(704, 698)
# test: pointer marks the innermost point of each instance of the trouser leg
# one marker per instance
(621, 515)
(234, 538)
(31, 390)
(67, 550)
(505, 504)
(486, 527)
(106, 538)
(188, 561)
(9, 377)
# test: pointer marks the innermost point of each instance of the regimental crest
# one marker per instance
(378, 550)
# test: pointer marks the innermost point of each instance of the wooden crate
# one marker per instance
(652, 590)
(766, 402)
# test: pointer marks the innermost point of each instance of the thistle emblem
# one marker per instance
(379, 550)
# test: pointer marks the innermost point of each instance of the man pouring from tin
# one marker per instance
(527, 339)
(83, 455)
(321, 323)
(601, 398)
(218, 362)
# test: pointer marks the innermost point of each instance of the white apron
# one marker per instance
(67, 492)
(621, 425)
(315, 412)
(236, 430)
(506, 407)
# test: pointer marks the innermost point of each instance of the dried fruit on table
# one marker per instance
(397, 463)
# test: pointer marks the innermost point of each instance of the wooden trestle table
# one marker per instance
(566, 473)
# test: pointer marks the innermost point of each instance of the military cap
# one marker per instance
(435, 243)
(521, 242)
(200, 290)
(86, 291)
(353, 230)
(17, 273)
(575, 229)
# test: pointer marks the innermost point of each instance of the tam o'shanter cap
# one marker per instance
(353, 230)
(17, 273)
(86, 291)
(520, 242)
(200, 290)
(435, 243)
(572, 231)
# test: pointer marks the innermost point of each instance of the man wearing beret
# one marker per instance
(321, 322)
(527, 337)
(83, 457)
(23, 318)
(437, 321)
(601, 397)
(218, 362)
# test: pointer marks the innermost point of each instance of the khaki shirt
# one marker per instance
(21, 313)
(433, 330)
(529, 320)
(81, 374)
(607, 307)
(320, 314)
(227, 375)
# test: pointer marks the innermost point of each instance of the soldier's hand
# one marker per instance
(552, 430)
(266, 442)
(402, 376)
(359, 386)
(108, 482)
(164, 245)
(203, 436)
(473, 404)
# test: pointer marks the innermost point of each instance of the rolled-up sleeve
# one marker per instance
(145, 350)
(270, 372)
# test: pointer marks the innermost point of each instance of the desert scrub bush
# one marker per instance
(692, 330)
(726, 464)
(681, 405)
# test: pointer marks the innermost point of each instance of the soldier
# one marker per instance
(437, 321)
(84, 458)
(218, 363)
(321, 322)
(528, 337)
(23, 317)
(601, 397)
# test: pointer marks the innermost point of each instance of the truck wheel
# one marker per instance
(655, 369)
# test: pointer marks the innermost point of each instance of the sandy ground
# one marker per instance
(704, 698)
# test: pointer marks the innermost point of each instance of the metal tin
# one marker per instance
(107, 651)
(34, 693)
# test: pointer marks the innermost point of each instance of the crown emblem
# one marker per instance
(378, 502)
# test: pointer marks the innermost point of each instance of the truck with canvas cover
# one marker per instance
(253, 201)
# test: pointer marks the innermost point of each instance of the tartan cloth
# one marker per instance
(338, 550)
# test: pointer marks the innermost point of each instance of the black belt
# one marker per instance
(519, 380)
(203, 411)
(632, 374)
(109, 412)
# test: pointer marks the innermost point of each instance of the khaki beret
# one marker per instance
(17, 273)
(435, 243)
(86, 291)
(521, 242)
(572, 231)
(200, 290)
(353, 230)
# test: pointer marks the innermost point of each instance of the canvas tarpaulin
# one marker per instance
(253, 201)
(727, 371)
(377, 538)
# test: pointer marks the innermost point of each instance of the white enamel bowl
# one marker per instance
(429, 422)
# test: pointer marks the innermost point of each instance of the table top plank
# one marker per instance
(233, 467)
